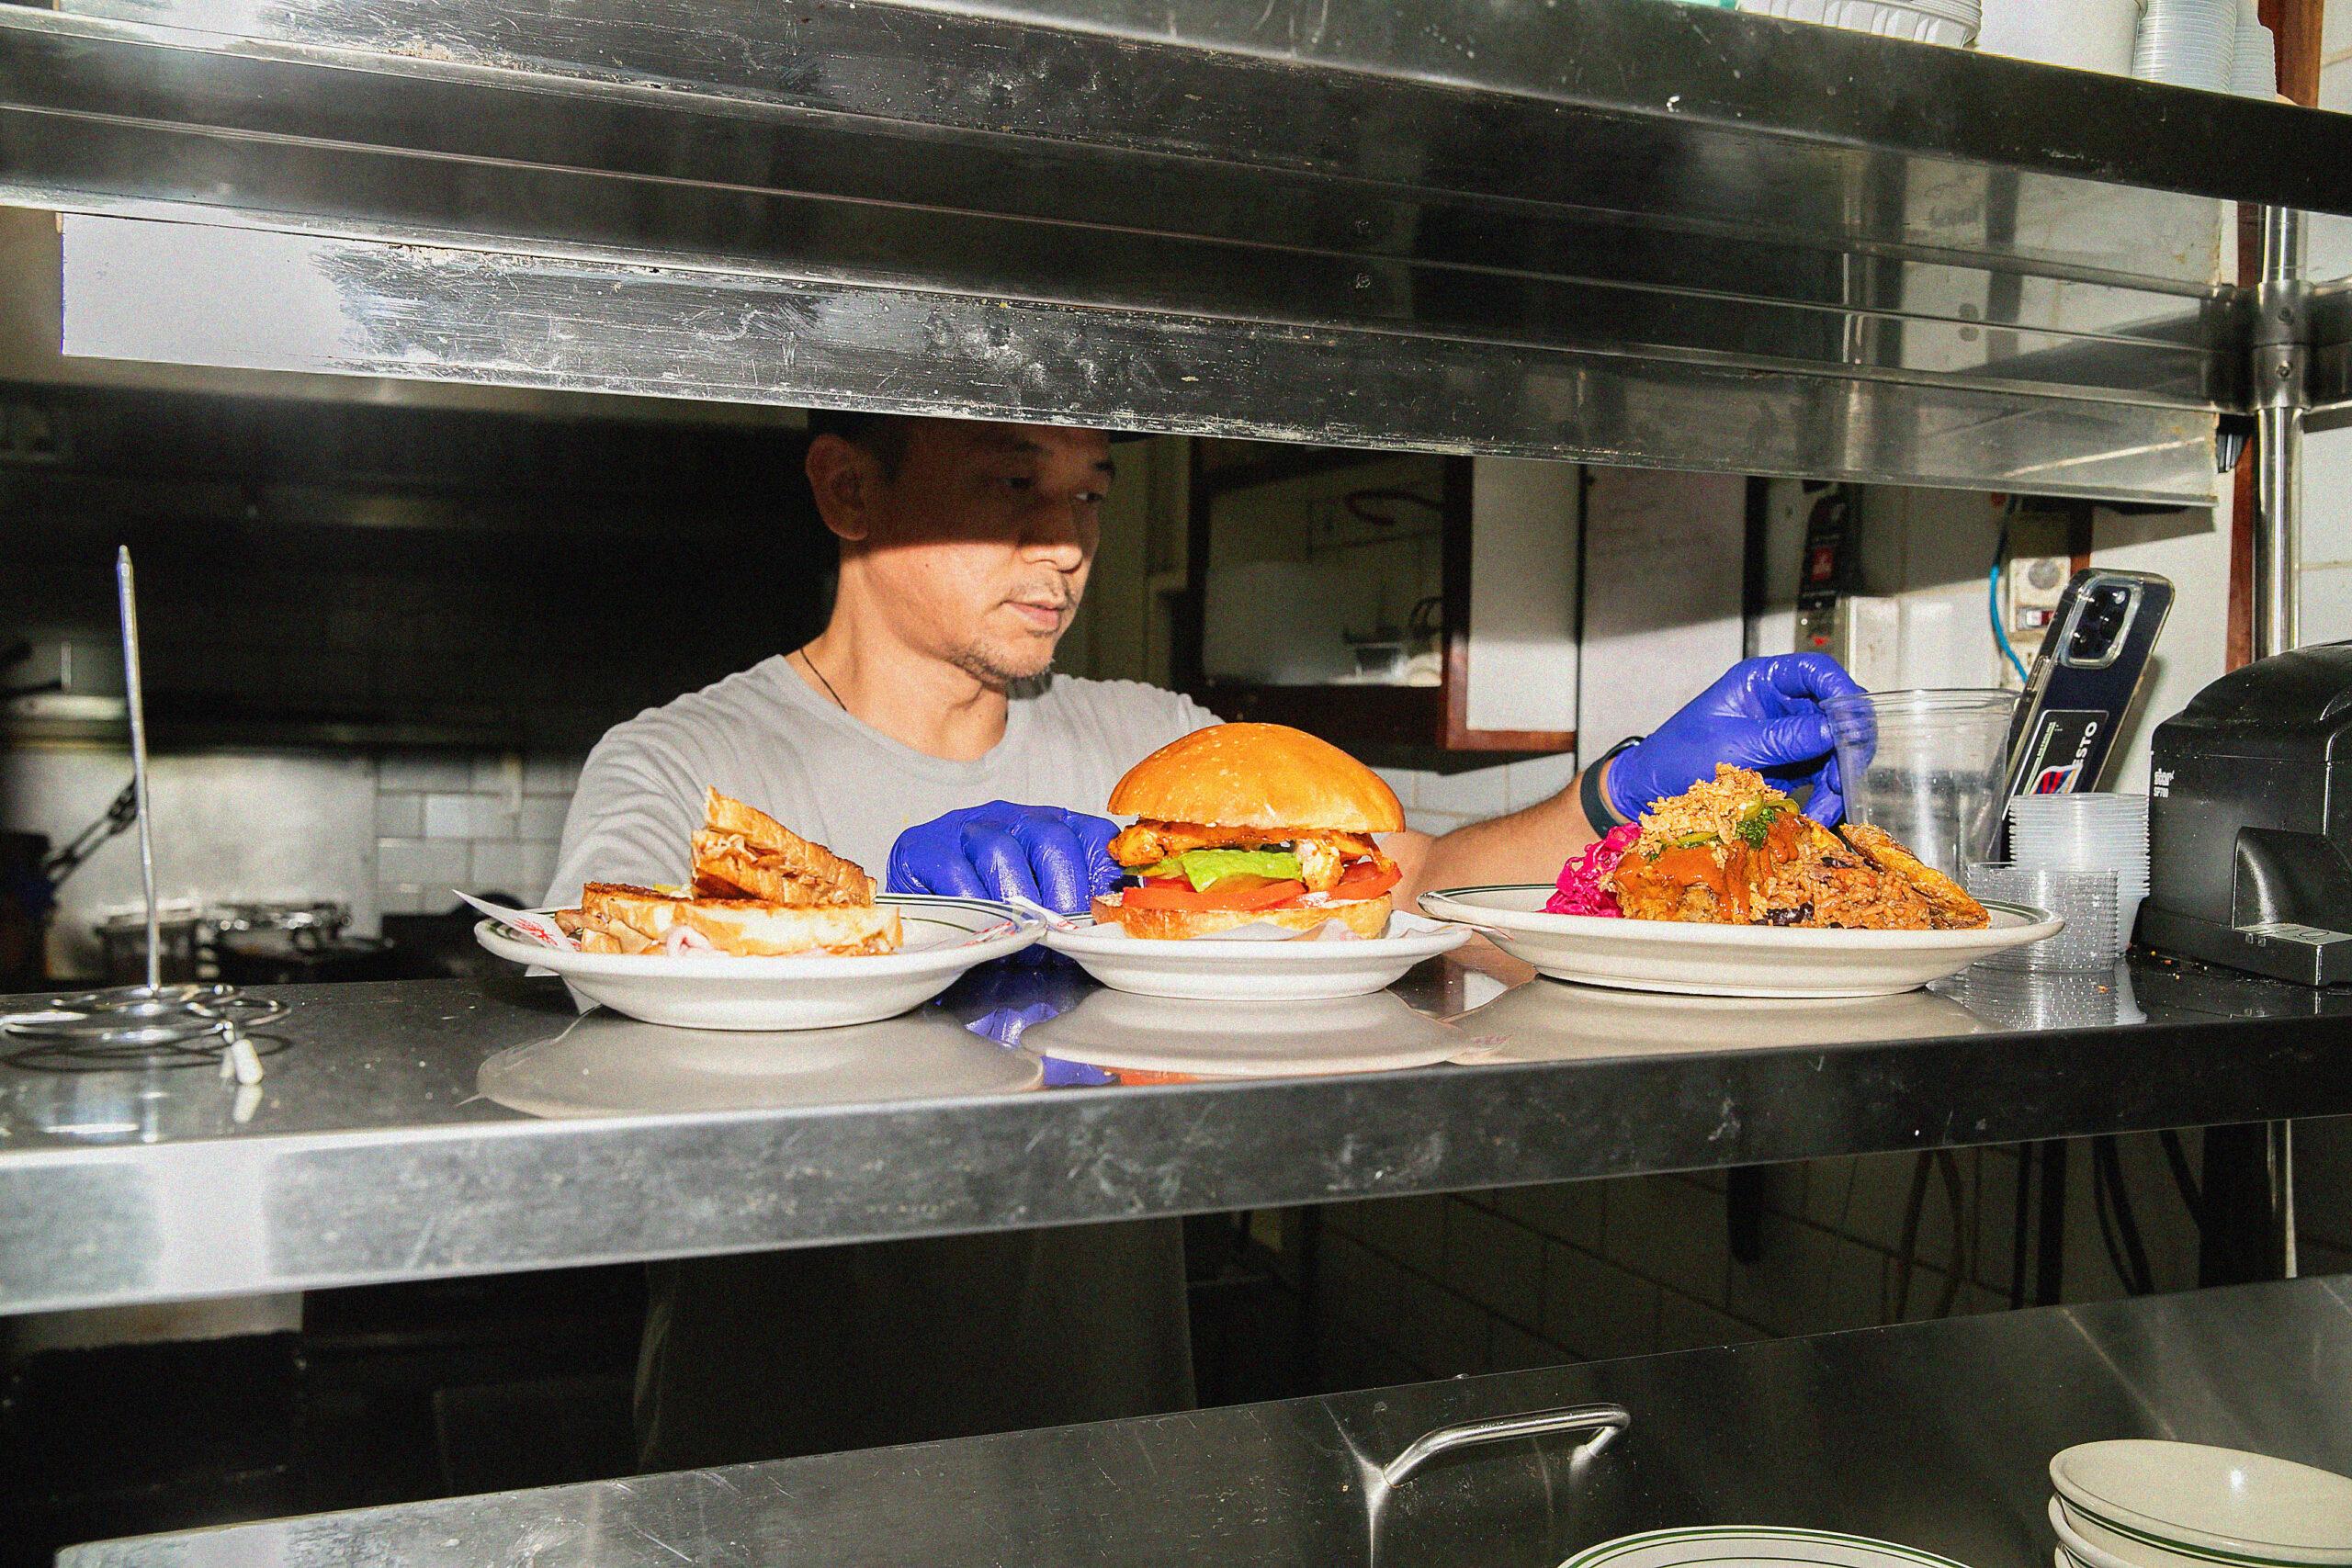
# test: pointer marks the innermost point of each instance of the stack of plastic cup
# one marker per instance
(2190, 43)
(2254, 73)
(2087, 833)
(2084, 899)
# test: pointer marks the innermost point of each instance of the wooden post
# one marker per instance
(2296, 23)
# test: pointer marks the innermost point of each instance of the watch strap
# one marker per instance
(1597, 810)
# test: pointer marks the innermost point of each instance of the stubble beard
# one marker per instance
(992, 669)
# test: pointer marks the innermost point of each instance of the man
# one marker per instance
(921, 733)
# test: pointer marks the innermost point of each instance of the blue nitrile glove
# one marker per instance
(1061, 859)
(1763, 714)
(1000, 1001)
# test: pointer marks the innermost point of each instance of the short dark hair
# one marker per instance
(882, 435)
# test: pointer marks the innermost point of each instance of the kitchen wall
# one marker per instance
(1415, 1288)
(2327, 456)
(386, 834)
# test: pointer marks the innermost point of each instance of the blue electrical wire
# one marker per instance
(2000, 633)
(1992, 595)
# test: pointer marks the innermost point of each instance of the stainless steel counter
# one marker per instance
(1936, 1434)
(374, 1150)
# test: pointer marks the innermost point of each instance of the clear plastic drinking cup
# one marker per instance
(1927, 766)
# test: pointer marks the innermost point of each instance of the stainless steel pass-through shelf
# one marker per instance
(419, 1128)
(1606, 228)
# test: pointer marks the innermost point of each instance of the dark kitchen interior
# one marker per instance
(1540, 407)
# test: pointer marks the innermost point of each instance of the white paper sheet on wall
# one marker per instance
(1523, 663)
(1663, 567)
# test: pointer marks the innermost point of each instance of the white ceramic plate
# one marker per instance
(1736, 1546)
(945, 937)
(1296, 971)
(2165, 1504)
(604, 1065)
(1727, 961)
(1347, 1034)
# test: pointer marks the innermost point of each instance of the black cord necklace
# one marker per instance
(803, 651)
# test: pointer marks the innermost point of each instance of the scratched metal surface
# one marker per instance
(1936, 1434)
(1599, 229)
(370, 1153)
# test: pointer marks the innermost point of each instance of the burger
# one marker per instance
(1242, 823)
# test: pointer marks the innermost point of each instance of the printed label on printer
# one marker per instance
(2056, 752)
(2287, 931)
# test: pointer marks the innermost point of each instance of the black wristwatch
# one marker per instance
(1597, 810)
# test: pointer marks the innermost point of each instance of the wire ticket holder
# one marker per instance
(150, 1025)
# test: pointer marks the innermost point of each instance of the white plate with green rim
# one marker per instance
(2165, 1504)
(1740, 1546)
(1727, 961)
(942, 938)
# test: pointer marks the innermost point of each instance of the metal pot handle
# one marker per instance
(1603, 1421)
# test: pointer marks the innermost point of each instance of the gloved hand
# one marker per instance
(999, 1001)
(1061, 859)
(1763, 714)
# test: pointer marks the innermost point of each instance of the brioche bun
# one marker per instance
(1258, 776)
(1368, 918)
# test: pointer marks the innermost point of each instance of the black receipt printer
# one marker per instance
(2250, 821)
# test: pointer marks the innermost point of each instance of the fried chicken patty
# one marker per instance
(1323, 854)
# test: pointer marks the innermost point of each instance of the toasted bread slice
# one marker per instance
(1949, 904)
(617, 917)
(745, 852)
(1368, 918)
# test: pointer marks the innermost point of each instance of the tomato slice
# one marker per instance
(1367, 879)
(1364, 879)
(1178, 894)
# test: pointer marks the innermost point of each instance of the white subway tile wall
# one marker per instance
(487, 823)
(1438, 802)
(1413, 1288)
(2327, 456)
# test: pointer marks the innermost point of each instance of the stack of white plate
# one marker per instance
(2087, 833)
(2190, 43)
(2142, 1504)
(1927, 21)
(1746, 1546)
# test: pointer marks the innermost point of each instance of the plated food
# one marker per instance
(1733, 851)
(1243, 824)
(1250, 831)
(760, 891)
(776, 933)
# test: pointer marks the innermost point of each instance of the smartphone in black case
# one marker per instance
(2092, 662)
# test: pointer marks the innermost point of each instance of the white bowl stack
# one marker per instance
(2087, 833)
(2142, 1504)
(1950, 22)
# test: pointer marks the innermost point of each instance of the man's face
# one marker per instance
(980, 543)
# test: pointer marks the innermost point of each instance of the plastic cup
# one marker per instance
(2190, 43)
(1926, 766)
(2087, 833)
(2084, 899)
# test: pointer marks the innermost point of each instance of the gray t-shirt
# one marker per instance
(766, 738)
(809, 1351)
